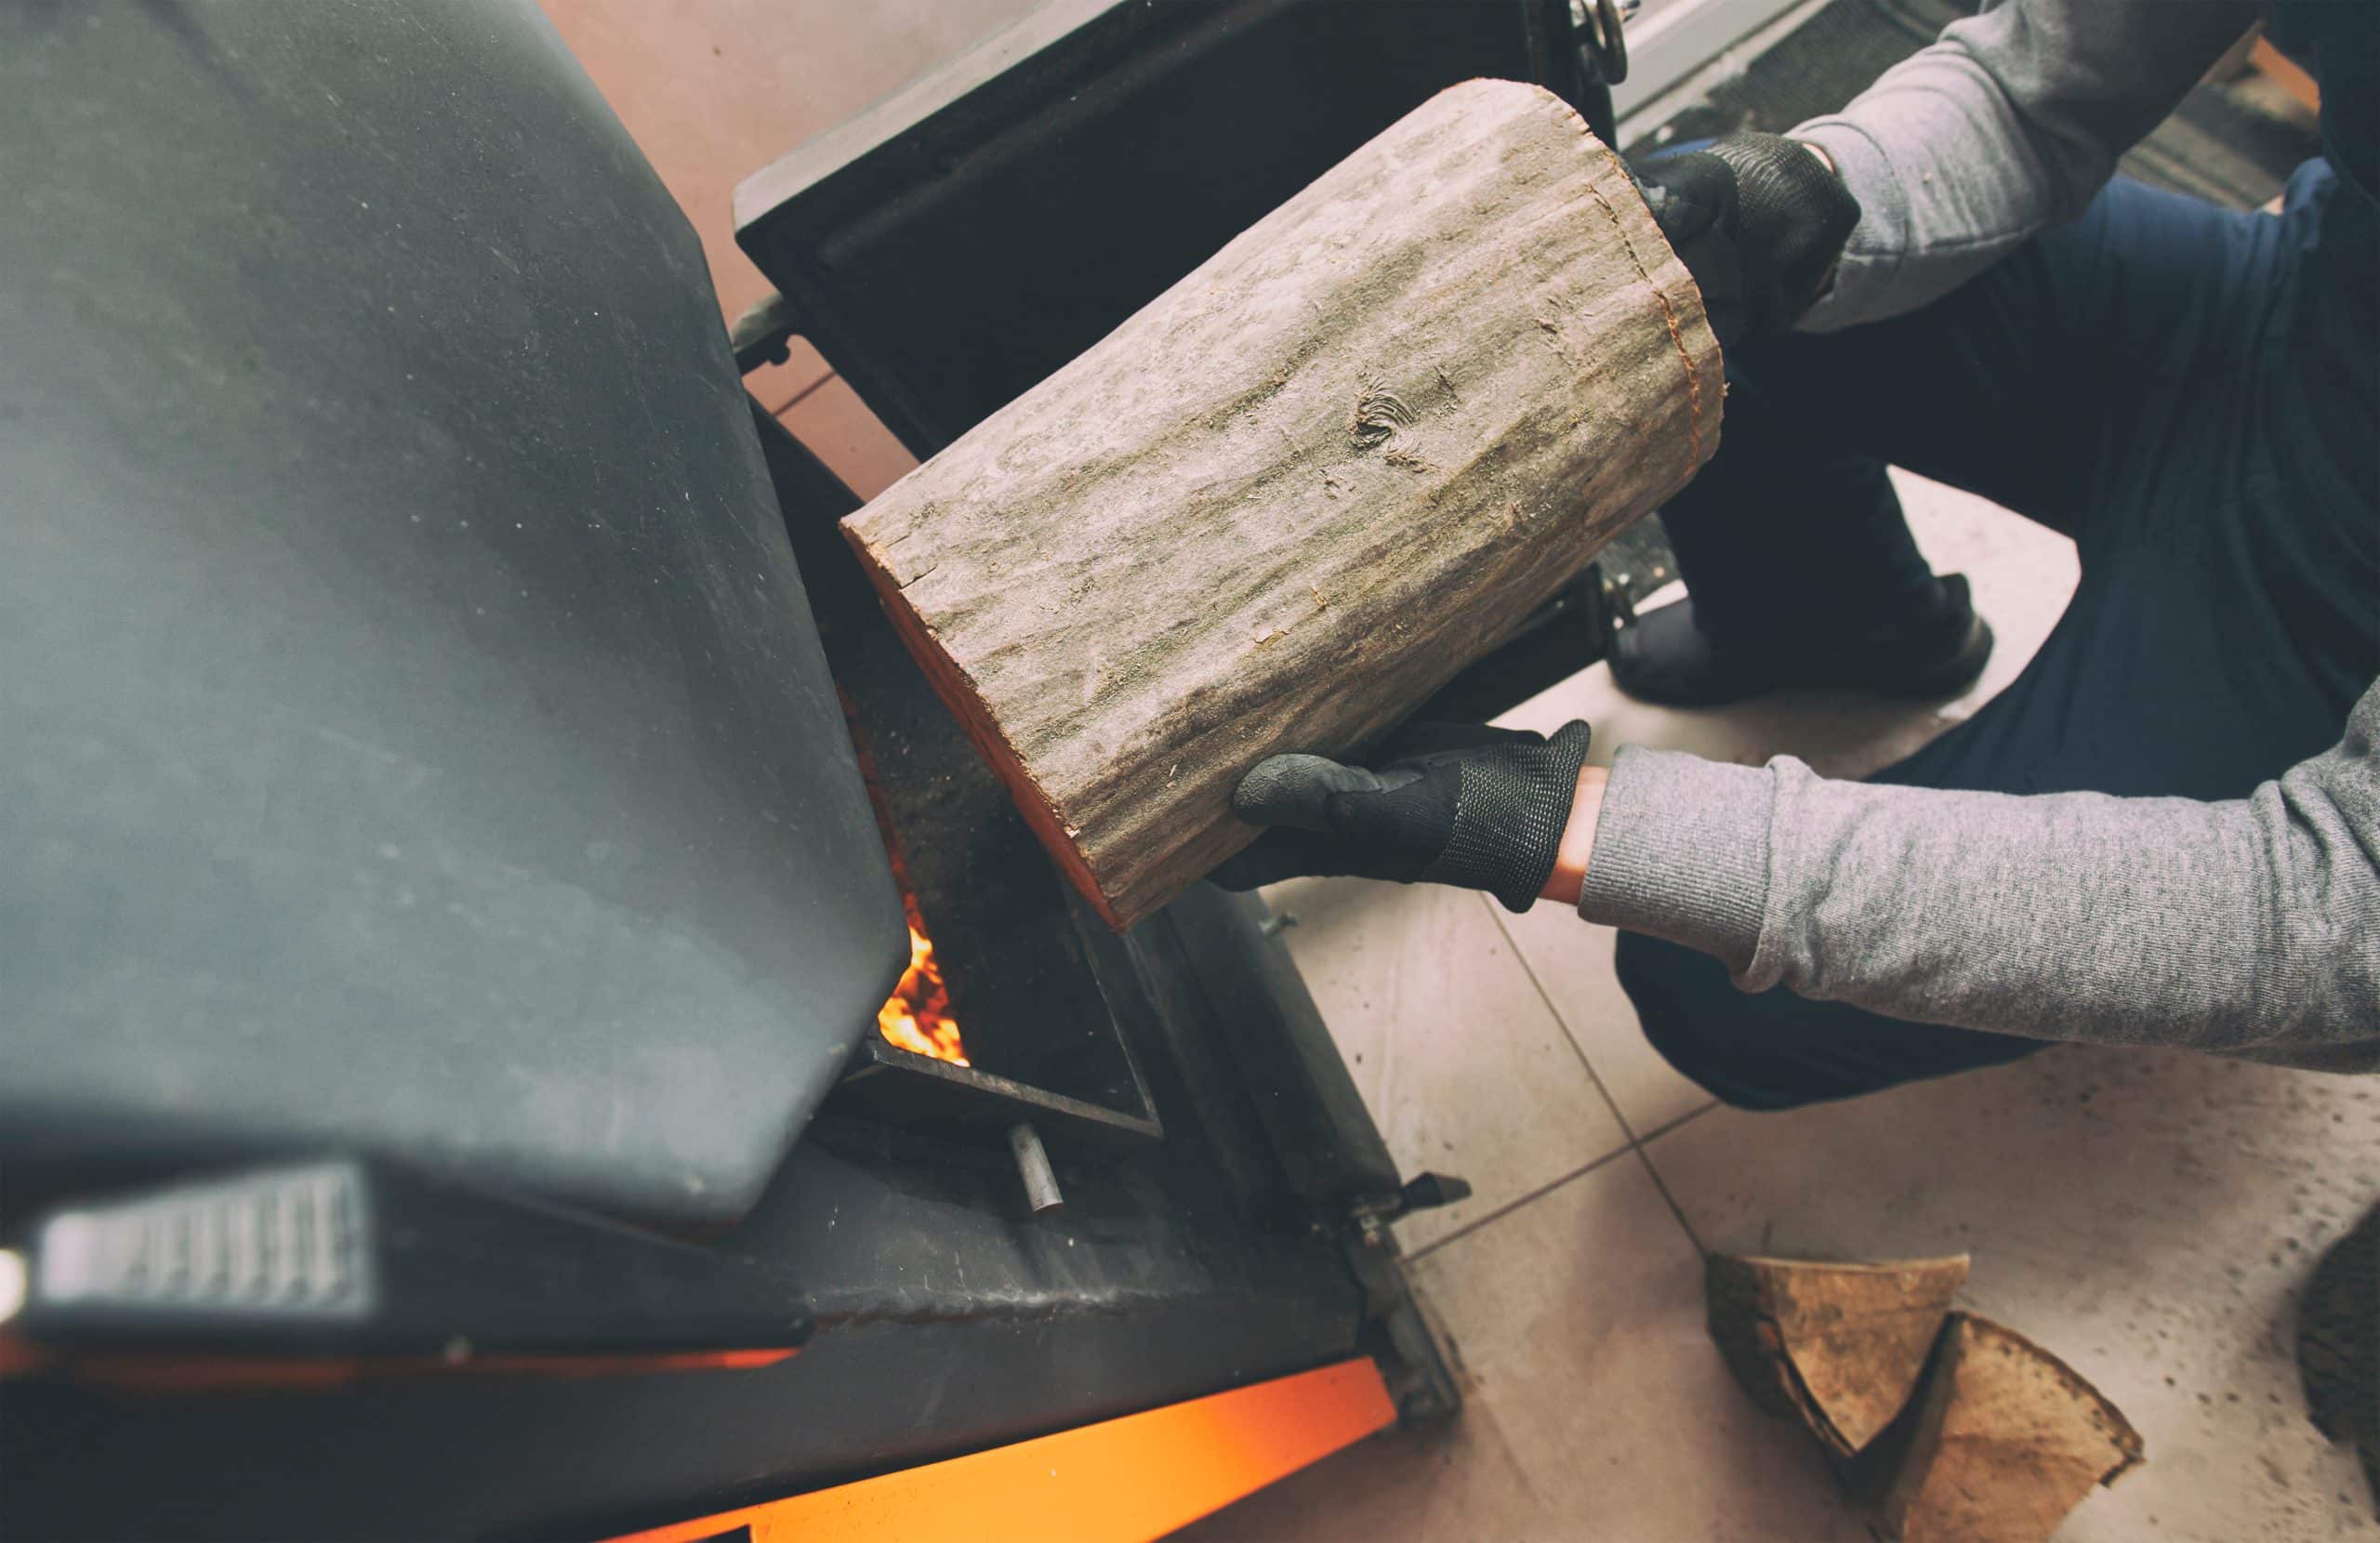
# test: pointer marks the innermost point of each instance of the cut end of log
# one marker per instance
(1839, 1346)
(2008, 1439)
(958, 693)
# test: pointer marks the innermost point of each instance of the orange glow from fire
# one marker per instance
(917, 1017)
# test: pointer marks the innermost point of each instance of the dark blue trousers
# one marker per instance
(2190, 394)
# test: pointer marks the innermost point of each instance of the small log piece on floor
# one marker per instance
(2006, 1439)
(1839, 1346)
(1302, 488)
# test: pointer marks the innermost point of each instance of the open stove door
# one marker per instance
(413, 735)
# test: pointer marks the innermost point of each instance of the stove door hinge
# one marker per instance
(1398, 1337)
(764, 334)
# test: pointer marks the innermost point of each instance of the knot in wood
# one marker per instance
(1379, 415)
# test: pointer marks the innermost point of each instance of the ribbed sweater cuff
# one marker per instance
(1681, 853)
(1863, 278)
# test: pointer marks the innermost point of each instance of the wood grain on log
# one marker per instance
(1840, 1346)
(1307, 486)
(2005, 1441)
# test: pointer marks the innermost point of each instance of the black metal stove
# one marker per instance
(455, 909)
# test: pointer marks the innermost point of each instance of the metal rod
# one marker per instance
(1033, 1164)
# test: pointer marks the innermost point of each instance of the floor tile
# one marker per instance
(2148, 1216)
(1596, 1406)
(713, 90)
(840, 431)
(1464, 1069)
(777, 386)
(1572, 962)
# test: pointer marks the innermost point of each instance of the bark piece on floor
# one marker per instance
(1838, 1346)
(2005, 1440)
(1301, 489)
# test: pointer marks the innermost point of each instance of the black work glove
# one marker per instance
(1445, 803)
(1758, 221)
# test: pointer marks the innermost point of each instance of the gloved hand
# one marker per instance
(1758, 219)
(1444, 803)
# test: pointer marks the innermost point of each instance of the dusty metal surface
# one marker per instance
(414, 734)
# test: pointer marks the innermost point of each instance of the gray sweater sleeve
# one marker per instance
(2013, 121)
(2250, 928)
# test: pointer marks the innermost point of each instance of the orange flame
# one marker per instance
(917, 1017)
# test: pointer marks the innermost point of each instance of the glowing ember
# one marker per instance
(917, 1016)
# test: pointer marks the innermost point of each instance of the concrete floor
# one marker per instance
(2148, 1217)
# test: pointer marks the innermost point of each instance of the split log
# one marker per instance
(2005, 1440)
(1839, 1346)
(1302, 488)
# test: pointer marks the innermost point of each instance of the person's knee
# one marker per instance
(1775, 1050)
(1686, 1005)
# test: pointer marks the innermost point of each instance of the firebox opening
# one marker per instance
(1002, 991)
(1035, 993)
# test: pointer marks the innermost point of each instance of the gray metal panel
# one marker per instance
(412, 730)
(1669, 40)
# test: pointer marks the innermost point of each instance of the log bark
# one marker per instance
(1301, 489)
(2006, 1439)
(1838, 1346)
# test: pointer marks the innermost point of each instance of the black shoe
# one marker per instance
(2338, 1345)
(1664, 657)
